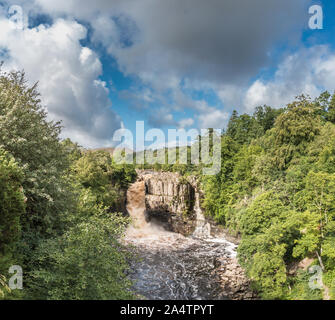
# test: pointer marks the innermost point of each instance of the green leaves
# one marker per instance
(12, 203)
(261, 213)
(244, 128)
(55, 204)
(98, 179)
(269, 270)
(277, 189)
(87, 263)
(4, 289)
(33, 141)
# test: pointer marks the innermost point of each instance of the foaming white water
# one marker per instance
(140, 228)
(203, 231)
(203, 228)
(172, 266)
(229, 246)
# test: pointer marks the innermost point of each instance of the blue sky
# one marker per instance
(173, 64)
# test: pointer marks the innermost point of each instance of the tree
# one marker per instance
(4, 289)
(330, 115)
(86, 263)
(294, 130)
(96, 173)
(35, 144)
(243, 128)
(261, 214)
(269, 271)
(12, 208)
(319, 217)
(56, 203)
(266, 116)
(12, 205)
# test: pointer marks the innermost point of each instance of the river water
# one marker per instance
(169, 265)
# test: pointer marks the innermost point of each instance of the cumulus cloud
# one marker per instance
(184, 123)
(220, 41)
(207, 116)
(308, 71)
(216, 40)
(216, 119)
(173, 44)
(68, 76)
(163, 42)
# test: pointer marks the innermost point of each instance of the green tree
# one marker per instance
(12, 205)
(294, 130)
(330, 115)
(12, 208)
(34, 142)
(266, 116)
(96, 173)
(261, 214)
(86, 263)
(243, 128)
(318, 227)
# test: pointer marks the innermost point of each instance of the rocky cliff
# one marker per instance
(171, 200)
(174, 201)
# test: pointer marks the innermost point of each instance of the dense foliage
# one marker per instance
(12, 207)
(57, 206)
(276, 190)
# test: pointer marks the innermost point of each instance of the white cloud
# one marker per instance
(184, 123)
(216, 119)
(200, 39)
(256, 95)
(68, 76)
(309, 71)
(161, 117)
(230, 95)
(197, 43)
(218, 42)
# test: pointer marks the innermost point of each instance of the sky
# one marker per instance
(103, 65)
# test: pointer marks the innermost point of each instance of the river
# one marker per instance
(169, 265)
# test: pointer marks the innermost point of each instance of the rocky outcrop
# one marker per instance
(170, 199)
(167, 193)
(175, 202)
(234, 282)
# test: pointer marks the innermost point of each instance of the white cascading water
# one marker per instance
(202, 228)
(171, 266)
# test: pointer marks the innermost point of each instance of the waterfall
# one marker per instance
(202, 228)
(175, 267)
(136, 204)
(136, 208)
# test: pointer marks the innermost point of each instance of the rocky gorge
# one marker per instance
(182, 254)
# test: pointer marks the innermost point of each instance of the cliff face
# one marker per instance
(175, 202)
(170, 199)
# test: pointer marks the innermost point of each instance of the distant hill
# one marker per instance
(109, 150)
